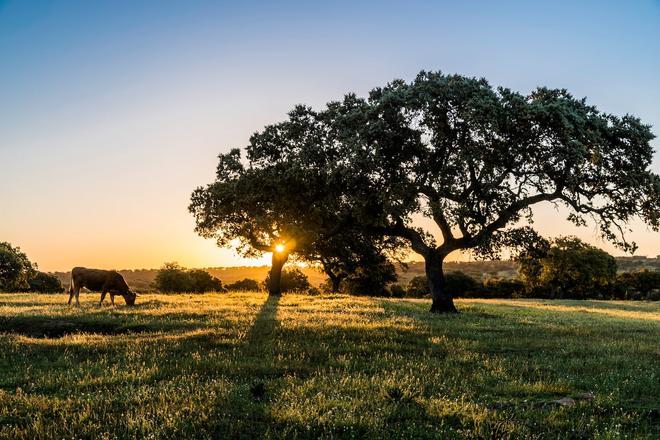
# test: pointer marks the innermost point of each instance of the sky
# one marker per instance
(112, 112)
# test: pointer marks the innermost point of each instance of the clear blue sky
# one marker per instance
(112, 112)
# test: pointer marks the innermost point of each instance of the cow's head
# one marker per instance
(130, 298)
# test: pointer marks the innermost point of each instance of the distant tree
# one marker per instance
(570, 268)
(457, 283)
(173, 278)
(15, 268)
(245, 284)
(44, 283)
(474, 160)
(293, 280)
(639, 284)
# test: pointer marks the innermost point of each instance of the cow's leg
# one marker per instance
(102, 298)
(70, 293)
(76, 291)
(112, 298)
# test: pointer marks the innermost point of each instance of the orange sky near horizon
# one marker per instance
(140, 246)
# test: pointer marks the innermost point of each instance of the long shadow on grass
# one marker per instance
(579, 310)
(36, 326)
(344, 353)
(519, 346)
(242, 413)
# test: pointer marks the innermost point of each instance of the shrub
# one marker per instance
(293, 280)
(202, 281)
(396, 291)
(418, 286)
(246, 284)
(313, 291)
(45, 283)
(174, 278)
(503, 288)
(371, 279)
(457, 284)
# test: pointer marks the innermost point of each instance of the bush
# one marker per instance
(503, 288)
(246, 284)
(371, 279)
(293, 280)
(202, 281)
(396, 291)
(418, 287)
(174, 278)
(313, 291)
(45, 283)
(457, 284)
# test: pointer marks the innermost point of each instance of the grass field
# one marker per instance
(243, 365)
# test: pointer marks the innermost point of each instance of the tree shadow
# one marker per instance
(56, 327)
(579, 309)
(258, 347)
(274, 358)
(242, 412)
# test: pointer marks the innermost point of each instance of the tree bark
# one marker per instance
(277, 263)
(335, 279)
(442, 300)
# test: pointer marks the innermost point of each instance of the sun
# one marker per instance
(279, 248)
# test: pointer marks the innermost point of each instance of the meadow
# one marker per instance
(242, 365)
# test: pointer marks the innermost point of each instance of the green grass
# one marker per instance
(242, 365)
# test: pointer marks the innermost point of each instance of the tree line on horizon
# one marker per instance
(339, 187)
(567, 268)
(564, 268)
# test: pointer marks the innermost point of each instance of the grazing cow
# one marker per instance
(97, 280)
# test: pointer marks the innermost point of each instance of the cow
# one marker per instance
(98, 280)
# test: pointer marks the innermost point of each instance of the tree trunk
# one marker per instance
(335, 281)
(278, 260)
(442, 300)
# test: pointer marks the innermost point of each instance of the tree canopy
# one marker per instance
(475, 159)
(15, 268)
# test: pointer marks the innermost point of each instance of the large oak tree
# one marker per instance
(475, 159)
